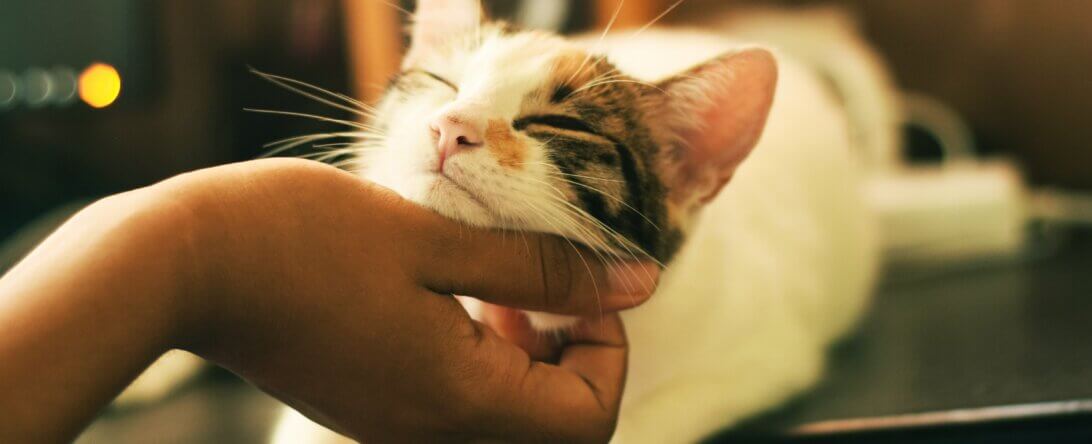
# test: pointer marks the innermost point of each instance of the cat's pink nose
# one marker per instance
(454, 135)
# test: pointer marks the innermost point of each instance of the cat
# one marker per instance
(725, 162)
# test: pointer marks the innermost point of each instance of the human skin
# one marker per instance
(328, 292)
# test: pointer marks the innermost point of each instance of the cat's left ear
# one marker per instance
(438, 22)
(716, 112)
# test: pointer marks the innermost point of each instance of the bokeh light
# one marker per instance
(100, 85)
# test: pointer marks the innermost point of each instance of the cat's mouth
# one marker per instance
(444, 189)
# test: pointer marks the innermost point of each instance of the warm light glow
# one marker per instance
(100, 85)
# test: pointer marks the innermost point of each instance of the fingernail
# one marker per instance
(635, 279)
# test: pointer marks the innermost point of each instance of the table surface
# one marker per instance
(967, 352)
(1002, 345)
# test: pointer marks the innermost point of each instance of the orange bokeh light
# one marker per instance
(100, 85)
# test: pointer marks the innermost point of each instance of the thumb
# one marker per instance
(530, 271)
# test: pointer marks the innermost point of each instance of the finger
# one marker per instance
(530, 271)
(576, 400)
(513, 326)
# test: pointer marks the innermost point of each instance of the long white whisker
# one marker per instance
(618, 238)
(348, 123)
(582, 214)
(605, 194)
(599, 179)
(319, 136)
(608, 82)
(661, 16)
(561, 175)
(399, 8)
(599, 43)
(283, 145)
(296, 85)
(595, 285)
(575, 214)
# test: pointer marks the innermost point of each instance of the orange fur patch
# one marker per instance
(509, 150)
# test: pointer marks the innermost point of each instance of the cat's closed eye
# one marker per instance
(435, 77)
(558, 121)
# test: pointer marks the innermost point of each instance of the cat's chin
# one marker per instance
(452, 200)
(548, 322)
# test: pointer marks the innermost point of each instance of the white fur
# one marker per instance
(778, 267)
(492, 79)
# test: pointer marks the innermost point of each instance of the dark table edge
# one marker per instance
(944, 418)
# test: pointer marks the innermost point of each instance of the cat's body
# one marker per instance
(778, 267)
(774, 268)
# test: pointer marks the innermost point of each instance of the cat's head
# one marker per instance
(526, 130)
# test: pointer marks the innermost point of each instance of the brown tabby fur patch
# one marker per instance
(612, 171)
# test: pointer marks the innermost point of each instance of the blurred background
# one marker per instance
(101, 96)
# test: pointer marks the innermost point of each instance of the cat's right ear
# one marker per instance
(716, 112)
(438, 22)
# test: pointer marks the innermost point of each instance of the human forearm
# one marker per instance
(324, 290)
(84, 314)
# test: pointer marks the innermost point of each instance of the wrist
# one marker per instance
(153, 242)
(173, 231)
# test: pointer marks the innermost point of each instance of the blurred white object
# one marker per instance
(960, 212)
(1062, 207)
(943, 123)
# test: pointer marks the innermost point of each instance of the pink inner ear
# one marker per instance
(730, 98)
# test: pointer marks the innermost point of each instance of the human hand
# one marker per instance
(330, 293)
(334, 295)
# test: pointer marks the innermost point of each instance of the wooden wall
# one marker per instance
(1019, 70)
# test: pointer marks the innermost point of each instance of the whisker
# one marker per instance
(348, 123)
(618, 238)
(600, 179)
(560, 196)
(290, 143)
(599, 245)
(295, 86)
(595, 285)
(590, 85)
(599, 43)
(283, 145)
(661, 16)
(396, 7)
(605, 194)
(336, 145)
(560, 175)
(318, 136)
(583, 233)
